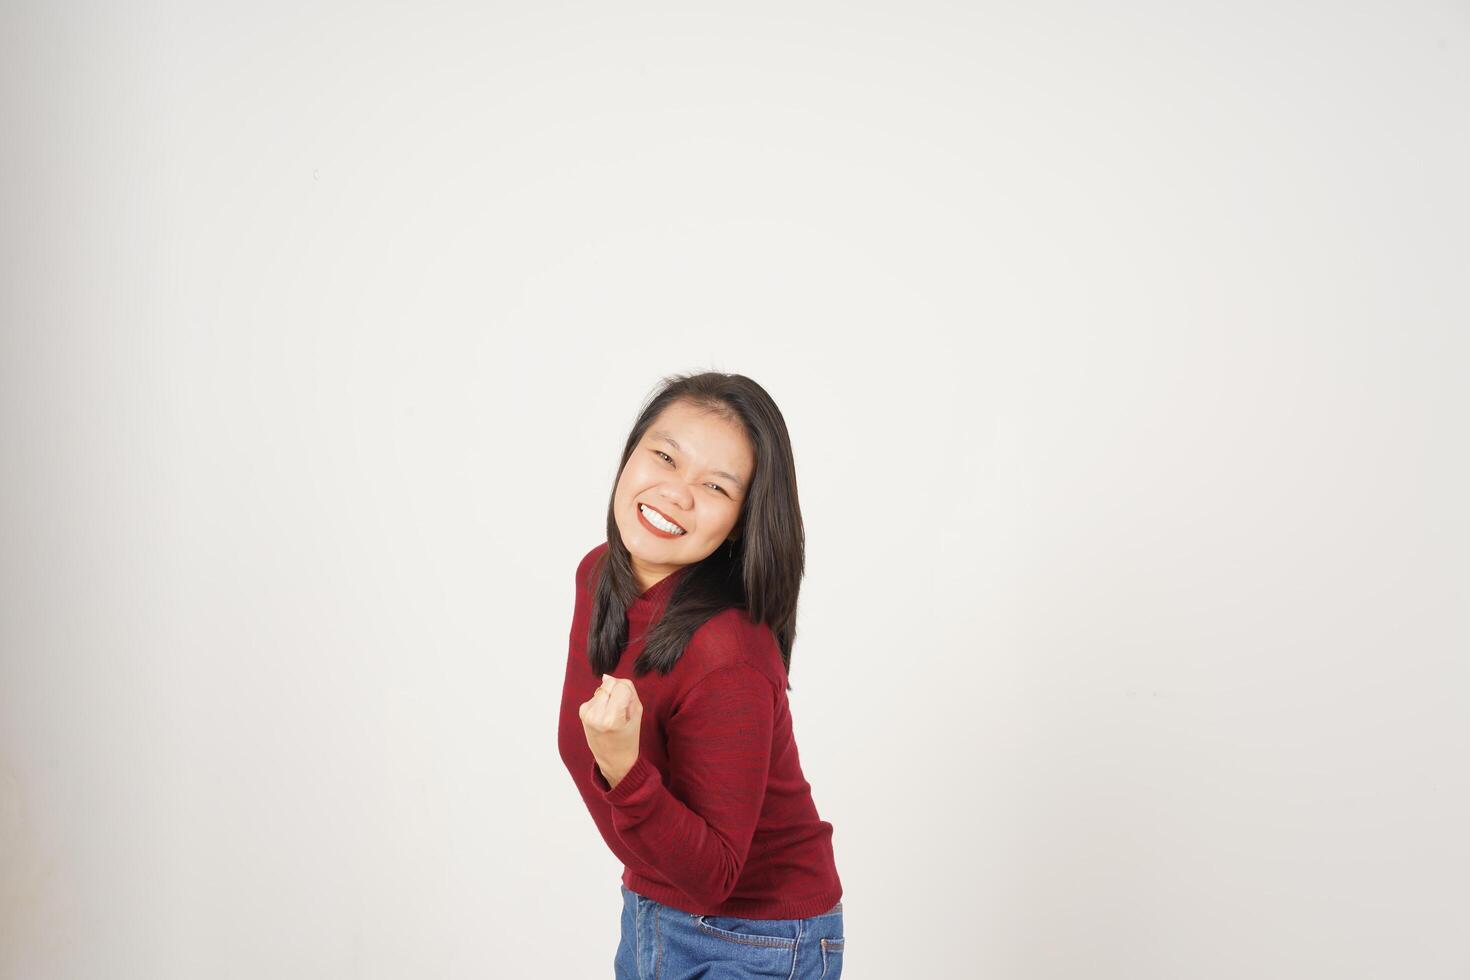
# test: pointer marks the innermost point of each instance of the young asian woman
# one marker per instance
(675, 723)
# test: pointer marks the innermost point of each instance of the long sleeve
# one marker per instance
(697, 830)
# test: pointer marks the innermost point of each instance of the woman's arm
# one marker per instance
(697, 831)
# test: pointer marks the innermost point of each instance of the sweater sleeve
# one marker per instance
(719, 745)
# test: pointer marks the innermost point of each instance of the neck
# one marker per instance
(647, 576)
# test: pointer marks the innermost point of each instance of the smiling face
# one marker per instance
(694, 469)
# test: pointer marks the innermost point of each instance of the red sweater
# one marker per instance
(715, 817)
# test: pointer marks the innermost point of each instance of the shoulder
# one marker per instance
(730, 639)
(588, 562)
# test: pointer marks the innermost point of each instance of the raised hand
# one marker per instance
(611, 720)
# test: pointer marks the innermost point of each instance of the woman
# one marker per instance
(675, 724)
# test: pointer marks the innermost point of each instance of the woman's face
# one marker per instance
(694, 469)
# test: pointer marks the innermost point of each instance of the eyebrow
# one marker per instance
(670, 440)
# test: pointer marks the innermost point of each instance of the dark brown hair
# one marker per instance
(760, 572)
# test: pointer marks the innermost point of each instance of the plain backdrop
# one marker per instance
(1123, 348)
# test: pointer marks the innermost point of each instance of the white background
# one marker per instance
(1123, 350)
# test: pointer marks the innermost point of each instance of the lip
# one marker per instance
(639, 505)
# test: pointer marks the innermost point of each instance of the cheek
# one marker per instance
(722, 519)
(628, 480)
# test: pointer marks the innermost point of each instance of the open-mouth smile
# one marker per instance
(656, 521)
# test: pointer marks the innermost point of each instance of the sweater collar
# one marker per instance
(651, 601)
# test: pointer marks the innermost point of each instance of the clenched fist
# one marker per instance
(612, 719)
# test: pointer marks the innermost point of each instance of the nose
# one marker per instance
(677, 496)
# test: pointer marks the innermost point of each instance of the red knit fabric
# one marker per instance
(715, 817)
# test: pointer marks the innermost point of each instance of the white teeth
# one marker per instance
(659, 522)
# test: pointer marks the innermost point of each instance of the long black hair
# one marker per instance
(759, 572)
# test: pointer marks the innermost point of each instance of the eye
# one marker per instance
(670, 460)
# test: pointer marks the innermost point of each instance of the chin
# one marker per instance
(660, 552)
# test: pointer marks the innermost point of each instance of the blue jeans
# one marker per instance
(663, 943)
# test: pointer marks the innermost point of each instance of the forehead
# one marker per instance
(704, 436)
